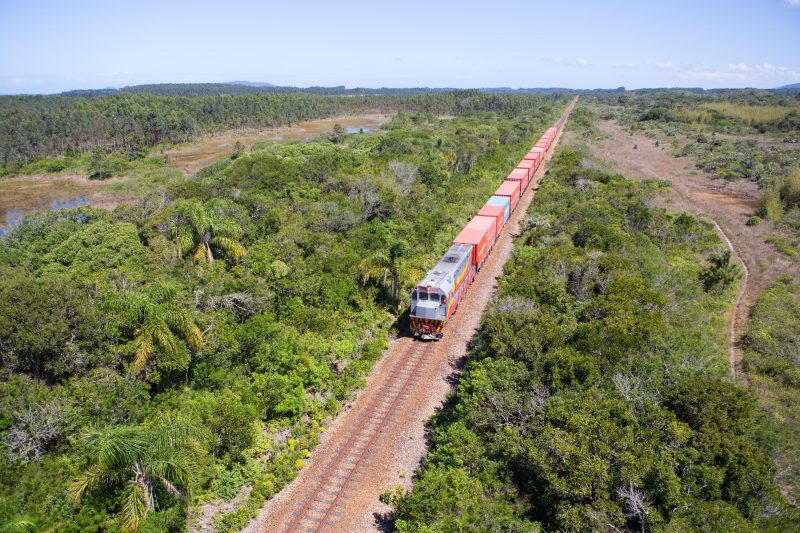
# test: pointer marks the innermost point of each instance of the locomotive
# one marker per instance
(435, 299)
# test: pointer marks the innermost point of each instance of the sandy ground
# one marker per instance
(728, 205)
(192, 156)
(403, 442)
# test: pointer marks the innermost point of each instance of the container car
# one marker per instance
(504, 202)
(480, 232)
(529, 165)
(510, 189)
(522, 176)
(496, 211)
(435, 299)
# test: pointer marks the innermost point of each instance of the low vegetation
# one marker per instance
(190, 347)
(597, 393)
(771, 357)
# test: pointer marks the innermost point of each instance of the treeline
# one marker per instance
(596, 396)
(197, 341)
(52, 126)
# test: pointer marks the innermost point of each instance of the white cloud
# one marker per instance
(793, 3)
(666, 64)
(738, 67)
(582, 62)
(558, 59)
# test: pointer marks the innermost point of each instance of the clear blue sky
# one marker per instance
(50, 46)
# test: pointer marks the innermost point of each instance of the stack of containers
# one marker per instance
(498, 212)
(509, 189)
(529, 166)
(501, 201)
(480, 233)
(522, 176)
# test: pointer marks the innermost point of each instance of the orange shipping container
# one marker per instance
(496, 211)
(521, 175)
(510, 189)
(529, 165)
(480, 232)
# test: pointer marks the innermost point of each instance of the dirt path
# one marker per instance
(727, 205)
(315, 500)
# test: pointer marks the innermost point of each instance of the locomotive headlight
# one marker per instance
(444, 300)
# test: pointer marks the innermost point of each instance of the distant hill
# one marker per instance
(791, 86)
(248, 87)
(251, 83)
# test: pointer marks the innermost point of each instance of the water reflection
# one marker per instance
(13, 216)
(356, 129)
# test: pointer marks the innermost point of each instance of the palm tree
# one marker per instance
(139, 459)
(390, 267)
(160, 324)
(201, 232)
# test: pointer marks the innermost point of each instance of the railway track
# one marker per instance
(319, 509)
(377, 439)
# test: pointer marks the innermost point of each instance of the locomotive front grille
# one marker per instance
(437, 326)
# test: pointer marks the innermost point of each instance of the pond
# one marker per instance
(357, 129)
(13, 216)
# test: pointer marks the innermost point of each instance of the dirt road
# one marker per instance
(379, 442)
(728, 205)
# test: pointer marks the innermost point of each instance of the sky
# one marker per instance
(52, 46)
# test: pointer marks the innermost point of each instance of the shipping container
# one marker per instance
(504, 202)
(520, 175)
(543, 143)
(510, 189)
(534, 155)
(480, 233)
(529, 165)
(496, 211)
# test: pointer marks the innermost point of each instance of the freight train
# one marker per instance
(435, 299)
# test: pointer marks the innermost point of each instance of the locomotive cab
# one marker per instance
(435, 298)
(428, 312)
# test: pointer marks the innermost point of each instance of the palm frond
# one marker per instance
(86, 482)
(193, 212)
(162, 336)
(229, 246)
(134, 506)
(144, 351)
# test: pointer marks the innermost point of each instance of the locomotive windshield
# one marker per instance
(413, 295)
(423, 296)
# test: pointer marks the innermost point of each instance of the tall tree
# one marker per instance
(139, 459)
(202, 233)
(160, 323)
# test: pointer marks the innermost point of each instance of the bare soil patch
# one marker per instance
(192, 156)
(729, 205)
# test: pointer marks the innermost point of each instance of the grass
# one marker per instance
(771, 349)
(782, 245)
(748, 114)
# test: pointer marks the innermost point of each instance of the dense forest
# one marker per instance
(34, 127)
(189, 347)
(597, 395)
